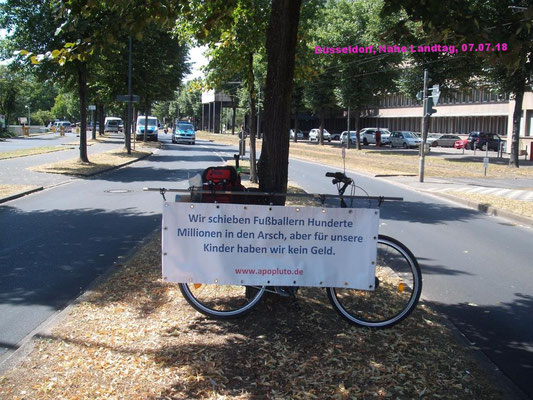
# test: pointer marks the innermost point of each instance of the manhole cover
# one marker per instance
(117, 191)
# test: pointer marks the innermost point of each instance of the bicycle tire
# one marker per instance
(398, 289)
(221, 301)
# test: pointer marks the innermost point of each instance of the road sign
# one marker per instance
(128, 99)
(92, 107)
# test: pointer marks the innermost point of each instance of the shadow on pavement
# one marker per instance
(510, 349)
(425, 213)
(49, 257)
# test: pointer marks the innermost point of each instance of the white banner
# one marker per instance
(275, 246)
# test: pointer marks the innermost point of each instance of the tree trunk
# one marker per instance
(93, 128)
(321, 128)
(145, 120)
(296, 127)
(253, 118)
(515, 140)
(357, 129)
(101, 119)
(233, 115)
(281, 48)
(82, 91)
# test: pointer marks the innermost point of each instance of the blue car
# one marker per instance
(183, 133)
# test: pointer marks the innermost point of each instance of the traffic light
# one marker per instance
(429, 106)
(432, 100)
(435, 94)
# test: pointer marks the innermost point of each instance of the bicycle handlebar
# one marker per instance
(339, 177)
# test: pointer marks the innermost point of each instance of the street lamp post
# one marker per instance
(29, 115)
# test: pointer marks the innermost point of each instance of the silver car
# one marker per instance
(445, 141)
(404, 139)
(344, 137)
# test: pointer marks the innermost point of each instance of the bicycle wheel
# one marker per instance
(221, 301)
(397, 290)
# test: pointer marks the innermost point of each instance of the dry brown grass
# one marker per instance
(520, 207)
(135, 337)
(98, 162)
(32, 152)
(10, 190)
(385, 162)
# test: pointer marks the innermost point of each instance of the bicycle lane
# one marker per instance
(476, 267)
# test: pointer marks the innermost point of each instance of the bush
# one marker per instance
(41, 117)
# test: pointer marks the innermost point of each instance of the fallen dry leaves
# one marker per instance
(134, 337)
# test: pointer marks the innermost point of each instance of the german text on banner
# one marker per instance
(277, 246)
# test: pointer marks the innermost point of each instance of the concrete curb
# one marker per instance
(484, 208)
(20, 194)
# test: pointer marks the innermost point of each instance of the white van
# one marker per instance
(151, 132)
(65, 125)
(113, 124)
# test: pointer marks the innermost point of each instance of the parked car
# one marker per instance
(299, 134)
(183, 132)
(368, 135)
(353, 137)
(112, 124)
(461, 144)
(432, 137)
(151, 132)
(66, 125)
(335, 136)
(404, 139)
(314, 134)
(478, 140)
(445, 141)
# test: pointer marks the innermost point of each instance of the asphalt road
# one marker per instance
(55, 243)
(476, 268)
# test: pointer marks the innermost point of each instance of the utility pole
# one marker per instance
(428, 103)
(348, 128)
(425, 127)
(129, 122)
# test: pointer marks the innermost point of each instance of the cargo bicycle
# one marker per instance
(395, 293)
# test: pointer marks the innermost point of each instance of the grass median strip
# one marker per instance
(32, 151)
(384, 161)
(98, 162)
(11, 190)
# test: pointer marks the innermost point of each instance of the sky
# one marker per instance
(197, 60)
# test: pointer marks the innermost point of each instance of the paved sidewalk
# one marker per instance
(518, 189)
(515, 189)
(14, 171)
